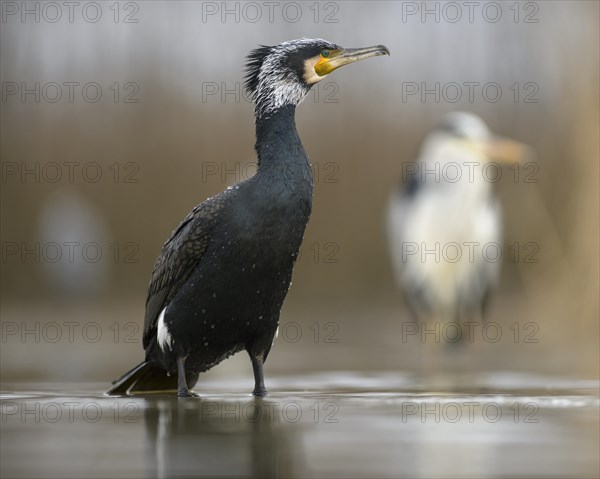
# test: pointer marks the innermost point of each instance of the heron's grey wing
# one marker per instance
(488, 269)
(406, 264)
(398, 211)
(180, 255)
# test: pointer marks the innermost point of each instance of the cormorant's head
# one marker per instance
(283, 74)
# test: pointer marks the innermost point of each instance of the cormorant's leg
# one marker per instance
(259, 378)
(182, 389)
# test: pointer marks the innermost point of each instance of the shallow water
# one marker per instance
(325, 425)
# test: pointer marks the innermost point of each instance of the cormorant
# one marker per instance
(445, 223)
(220, 281)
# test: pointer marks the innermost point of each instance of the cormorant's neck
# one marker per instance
(277, 140)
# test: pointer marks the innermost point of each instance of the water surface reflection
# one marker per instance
(233, 438)
(325, 425)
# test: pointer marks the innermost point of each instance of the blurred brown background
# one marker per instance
(171, 128)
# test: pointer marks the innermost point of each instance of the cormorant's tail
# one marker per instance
(148, 378)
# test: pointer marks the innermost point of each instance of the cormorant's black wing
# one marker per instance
(179, 256)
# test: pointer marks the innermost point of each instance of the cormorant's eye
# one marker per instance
(325, 53)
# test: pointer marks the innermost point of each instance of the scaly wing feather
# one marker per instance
(180, 255)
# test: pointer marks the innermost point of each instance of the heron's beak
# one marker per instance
(502, 150)
(506, 150)
(344, 56)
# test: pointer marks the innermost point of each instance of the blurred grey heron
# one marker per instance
(445, 223)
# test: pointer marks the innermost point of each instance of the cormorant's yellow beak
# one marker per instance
(344, 56)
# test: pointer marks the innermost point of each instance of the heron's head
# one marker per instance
(283, 74)
(464, 137)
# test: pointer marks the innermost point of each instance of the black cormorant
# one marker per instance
(445, 223)
(220, 281)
